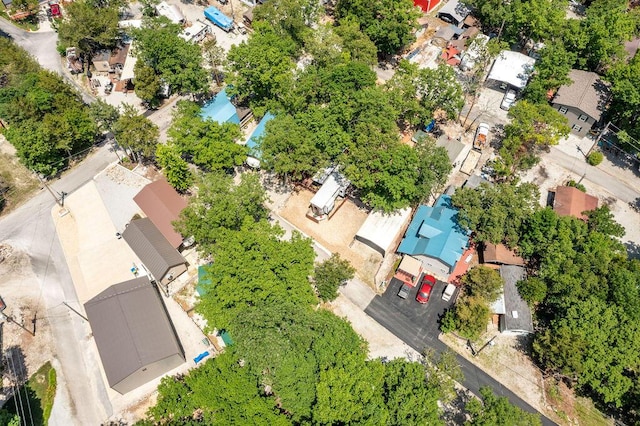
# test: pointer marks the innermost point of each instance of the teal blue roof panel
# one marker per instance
(220, 109)
(254, 139)
(434, 232)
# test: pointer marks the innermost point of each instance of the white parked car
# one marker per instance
(508, 100)
(449, 291)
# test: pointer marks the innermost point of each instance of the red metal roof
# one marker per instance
(162, 204)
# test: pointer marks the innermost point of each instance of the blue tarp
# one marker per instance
(434, 232)
(218, 18)
(220, 109)
(252, 142)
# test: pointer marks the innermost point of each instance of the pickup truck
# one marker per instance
(482, 134)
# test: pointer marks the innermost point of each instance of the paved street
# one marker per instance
(418, 326)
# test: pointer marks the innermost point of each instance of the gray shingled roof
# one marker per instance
(151, 247)
(131, 328)
(517, 315)
(588, 93)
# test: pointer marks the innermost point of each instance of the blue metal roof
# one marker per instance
(252, 142)
(434, 232)
(220, 109)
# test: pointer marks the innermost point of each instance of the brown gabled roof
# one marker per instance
(162, 204)
(131, 328)
(151, 247)
(588, 93)
(500, 254)
(570, 201)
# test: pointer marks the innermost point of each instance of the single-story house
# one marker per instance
(221, 110)
(501, 255)
(456, 150)
(253, 160)
(514, 315)
(583, 101)
(158, 256)
(380, 231)
(435, 238)
(162, 204)
(134, 335)
(511, 70)
(334, 185)
(570, 201)
(453, 12)
(426, 5)
(409, 270)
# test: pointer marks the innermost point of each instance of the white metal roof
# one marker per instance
(512, 68)
(129, 64)
(171, 12)
(380, 230)
(329, 190)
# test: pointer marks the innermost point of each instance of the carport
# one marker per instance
(381, 231)
(511, 69)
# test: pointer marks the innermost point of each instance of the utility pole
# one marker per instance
(58, 201)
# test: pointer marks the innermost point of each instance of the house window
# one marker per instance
(576, 128)
(563, 110)
(583, 117)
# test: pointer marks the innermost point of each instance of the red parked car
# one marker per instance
(54, 6)
(426, 286)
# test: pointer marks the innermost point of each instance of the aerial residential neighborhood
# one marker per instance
(400, 212)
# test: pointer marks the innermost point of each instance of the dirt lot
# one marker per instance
(337, 233)
(21, 181)
(24, 304)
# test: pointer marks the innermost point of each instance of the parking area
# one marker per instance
(416, 324)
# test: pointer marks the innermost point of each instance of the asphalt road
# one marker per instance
(418, 326)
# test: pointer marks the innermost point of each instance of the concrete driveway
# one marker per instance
(419, 326)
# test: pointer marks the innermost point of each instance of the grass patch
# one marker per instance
(588, 415)
(21, 182)
(40, 390)
(28, 24)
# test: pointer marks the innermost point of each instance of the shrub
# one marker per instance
(577, 185)
(595, 158)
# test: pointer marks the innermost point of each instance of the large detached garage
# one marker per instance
(381, 231)
(134, 335)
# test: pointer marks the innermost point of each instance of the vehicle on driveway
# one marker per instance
(508, 100)
(404, 291)
(426, 286)
(482, 134)
(449, 291)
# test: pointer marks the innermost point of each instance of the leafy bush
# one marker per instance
(595, 158)
(577, 185)
(330, 274)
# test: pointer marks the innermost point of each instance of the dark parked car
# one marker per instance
(404, 291)
(425, 289)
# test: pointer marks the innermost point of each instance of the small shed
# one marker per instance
(512, 69)
(380, 231)
(334, 186)
(157, 255)
(100, 61)
(456, 150)
(409, 270)
(134, 335)
(426, 5)
(162, 204)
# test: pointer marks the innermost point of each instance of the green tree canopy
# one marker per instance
(220, 205)
(206, 143)
(330, 274)
(498, 411)
(176, 61)
(495, 213)
(390, 24)
(89, 28)
(136, 132)
(175, 168)
(482, 281)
